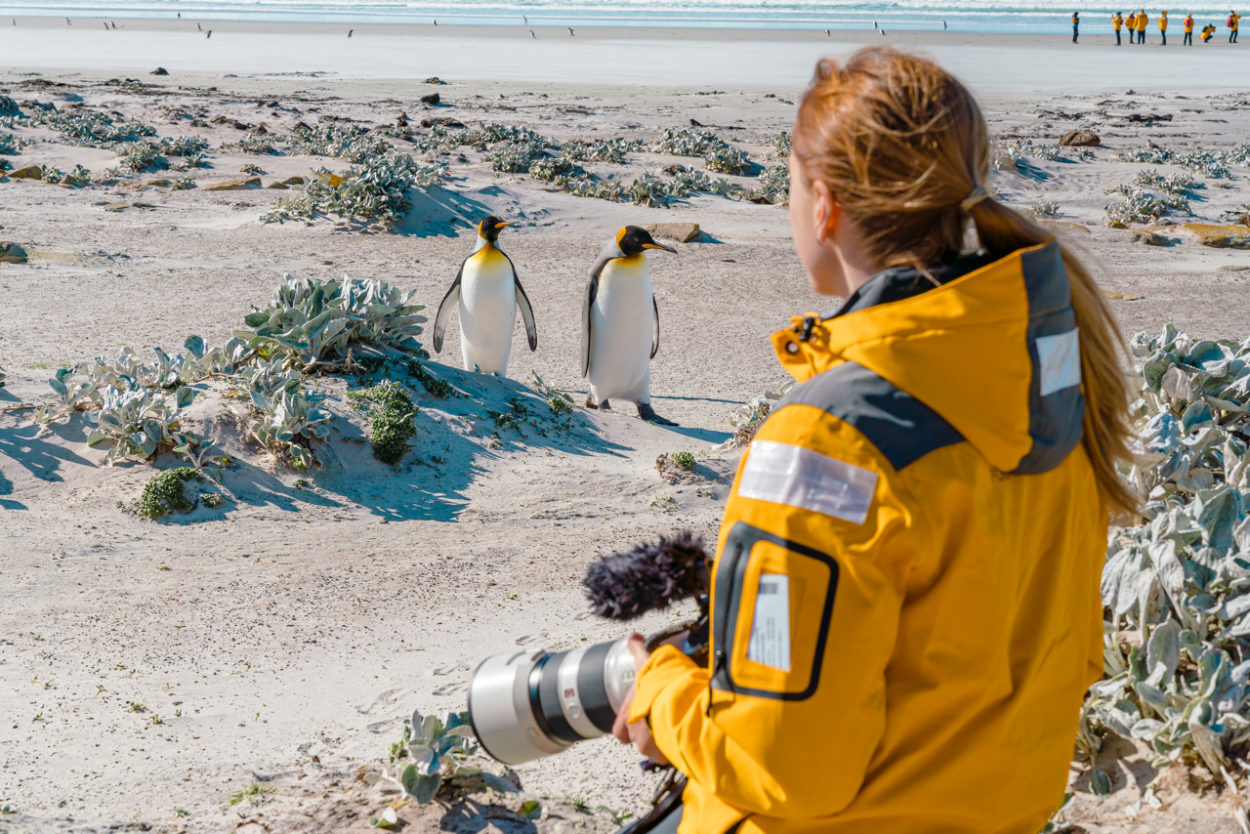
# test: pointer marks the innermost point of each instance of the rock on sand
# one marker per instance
(1080, 138)
(680, 232)
(234, 185)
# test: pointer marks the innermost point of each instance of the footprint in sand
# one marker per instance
(448, 688)
(451, 670)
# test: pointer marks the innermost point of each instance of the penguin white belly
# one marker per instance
(487, 312)
(622, 323)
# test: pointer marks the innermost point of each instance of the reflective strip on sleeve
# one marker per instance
(1060, 360)
(786, 474)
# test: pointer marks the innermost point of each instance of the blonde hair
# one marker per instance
(901, 144)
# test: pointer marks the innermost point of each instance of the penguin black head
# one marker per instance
(489, 228)
(634, 240)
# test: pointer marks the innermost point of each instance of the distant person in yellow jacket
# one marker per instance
(1163, 28)
(1189, 29)
(1076, 26)
(905, 598)
(1142, 20)
(1117, 21)
(1131, 24)
(1208, 32)
(1234, 22)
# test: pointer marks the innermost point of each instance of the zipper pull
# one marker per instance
(805, 334)
(717, 664)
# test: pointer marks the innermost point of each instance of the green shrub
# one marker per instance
(390, 410)
(166, 493)
(683, 460)
(440, 388)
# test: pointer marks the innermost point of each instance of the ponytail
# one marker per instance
(905, 148)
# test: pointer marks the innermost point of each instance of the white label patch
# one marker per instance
(786, 474)
(1060, 360)
(770, 627)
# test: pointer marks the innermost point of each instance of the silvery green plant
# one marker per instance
(613, 150)
(596, 189)
(650, 190)
(774, 186)
(746, 419)
(1140, 206)
(430, 751)
(375, 191)
(1210, 164)
(310, 323)
(289, 419)
(9, 144)
(499, 132)
(1177, 184)
(255, 145)
(1018, 149)
(1007, 158)
(727, 160)
(1044, 208)
(350, 142)
(136, 421)
(143, 156)
(200, 452)
(780, 144)
(81, 387)
(1176, 588)
(89, 129)
(556, 170)
(684, 141)
(516, 157)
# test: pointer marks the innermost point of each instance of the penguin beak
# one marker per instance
(501, 225)
(659, 246)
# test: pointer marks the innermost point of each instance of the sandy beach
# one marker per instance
(599, 55)
(282, 640)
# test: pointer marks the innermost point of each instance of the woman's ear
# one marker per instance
(826, 212)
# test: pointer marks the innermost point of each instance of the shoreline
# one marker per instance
(617, 56)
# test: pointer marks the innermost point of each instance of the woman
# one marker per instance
(905, 610)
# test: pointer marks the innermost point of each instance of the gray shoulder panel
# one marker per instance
(901, 427)
(1056, 418)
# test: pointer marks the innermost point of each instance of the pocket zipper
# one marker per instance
(720, 630)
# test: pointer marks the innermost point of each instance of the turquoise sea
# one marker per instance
(960, 15)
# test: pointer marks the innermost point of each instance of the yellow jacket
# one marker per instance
(1142, 20)
(1189, 25)
(1117, 22)
(1163, 23)
(905, 603)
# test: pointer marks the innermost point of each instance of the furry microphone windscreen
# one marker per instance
(627, 585)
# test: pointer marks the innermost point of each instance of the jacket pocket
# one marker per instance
(771, 612)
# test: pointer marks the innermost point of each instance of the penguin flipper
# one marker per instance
(450, 300)
(527, 312)
(655, 336)
(592, 290)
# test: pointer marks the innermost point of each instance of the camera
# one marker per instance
(526, 705)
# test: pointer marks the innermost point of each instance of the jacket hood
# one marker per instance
(992, 347)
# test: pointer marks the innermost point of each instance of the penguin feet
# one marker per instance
(646, 412)
(603, 406)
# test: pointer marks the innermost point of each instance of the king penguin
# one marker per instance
(487, 293)
(621, 324)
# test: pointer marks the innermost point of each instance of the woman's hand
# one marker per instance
(638, 732)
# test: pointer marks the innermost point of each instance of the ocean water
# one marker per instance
(1040, 16)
